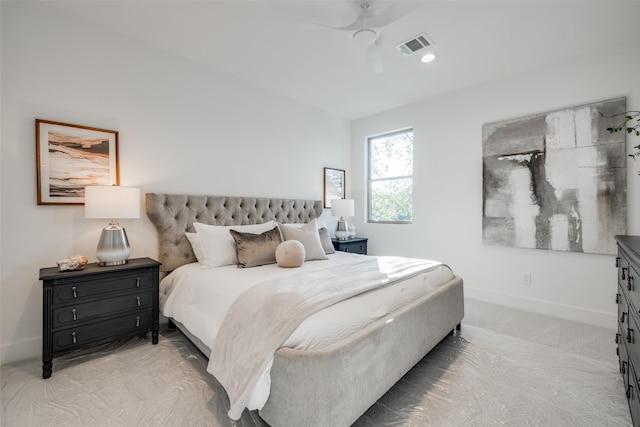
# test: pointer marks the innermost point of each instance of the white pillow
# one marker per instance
(218, 246)
(194, 239)
(319, 223)
(308, 236)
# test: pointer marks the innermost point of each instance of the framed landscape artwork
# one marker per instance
(334, 185)
(70, 158)
(557, 180)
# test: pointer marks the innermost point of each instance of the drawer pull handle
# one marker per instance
(624, 313)
(629, 392)
(617, 298)
(623, 367)
(617, 338)
(617, 261)
(73, 337)
(137, 282)
(75, 292)
(138, 301)
(624, 273)
(629, 282)
(73, 312)
(137, 321)
(629, 335)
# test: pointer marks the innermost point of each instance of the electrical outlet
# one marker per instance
(526, 279)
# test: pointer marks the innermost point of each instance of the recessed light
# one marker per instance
(428, 57)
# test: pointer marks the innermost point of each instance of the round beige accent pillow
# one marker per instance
(290, 253)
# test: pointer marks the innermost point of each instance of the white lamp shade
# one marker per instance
(102, 201)
(342, 207)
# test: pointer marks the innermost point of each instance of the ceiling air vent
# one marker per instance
(414, 44)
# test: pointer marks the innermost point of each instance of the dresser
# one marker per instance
(97, 305)
(355, 245)
(628, 334)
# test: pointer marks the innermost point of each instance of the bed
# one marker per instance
(327, 382)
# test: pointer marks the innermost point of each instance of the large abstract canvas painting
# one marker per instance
(557, 180)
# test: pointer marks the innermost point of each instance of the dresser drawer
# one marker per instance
(70, 290)
(631, 337)
(623, 269)
(632, 389)
(79, 313)
(93, 333)
(632, 288)
(623, 357)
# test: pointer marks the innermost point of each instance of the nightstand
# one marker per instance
(356, 245)
(97, 305)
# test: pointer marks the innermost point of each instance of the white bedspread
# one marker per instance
(200, 299)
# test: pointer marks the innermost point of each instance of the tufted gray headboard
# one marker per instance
(174, 214)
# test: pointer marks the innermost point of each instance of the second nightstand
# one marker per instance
(97, 305)
(355, 245)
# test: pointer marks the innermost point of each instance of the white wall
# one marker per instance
(183, 128)
(448, 186)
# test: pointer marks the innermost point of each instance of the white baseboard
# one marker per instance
(20, 350)
(577, 314)
(33, 347)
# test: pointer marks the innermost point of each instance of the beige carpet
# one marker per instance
(506, 367)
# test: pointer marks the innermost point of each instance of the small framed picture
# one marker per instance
(70, 158)
(334, 185)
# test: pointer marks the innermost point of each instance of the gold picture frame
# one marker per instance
(71, 157)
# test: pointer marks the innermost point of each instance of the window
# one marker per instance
(391, 177)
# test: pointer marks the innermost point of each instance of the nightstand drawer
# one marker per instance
(355, 248)
(78, 313)
(69, 290)
(95, 332)
(356, 245)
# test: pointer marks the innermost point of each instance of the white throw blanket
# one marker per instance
(261, 318)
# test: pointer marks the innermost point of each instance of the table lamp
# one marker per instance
(112, 202)
(342, 208)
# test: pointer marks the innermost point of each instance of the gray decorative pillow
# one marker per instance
(256, 249)
(325, 240)
(307, 235)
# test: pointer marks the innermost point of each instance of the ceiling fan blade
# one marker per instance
(319, 14)
(344, 15)
(374, 58)
(391, 13)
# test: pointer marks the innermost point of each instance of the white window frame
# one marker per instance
(370, 180)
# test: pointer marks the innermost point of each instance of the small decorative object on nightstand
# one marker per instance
(82, 308)
(357, 245)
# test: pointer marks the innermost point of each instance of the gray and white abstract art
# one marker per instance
(556, 181)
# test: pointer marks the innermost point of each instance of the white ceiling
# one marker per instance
(476, 42)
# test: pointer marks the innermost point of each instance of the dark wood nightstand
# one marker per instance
(96, 305)
(355, 245)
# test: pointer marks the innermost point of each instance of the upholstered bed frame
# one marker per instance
(336, 385)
